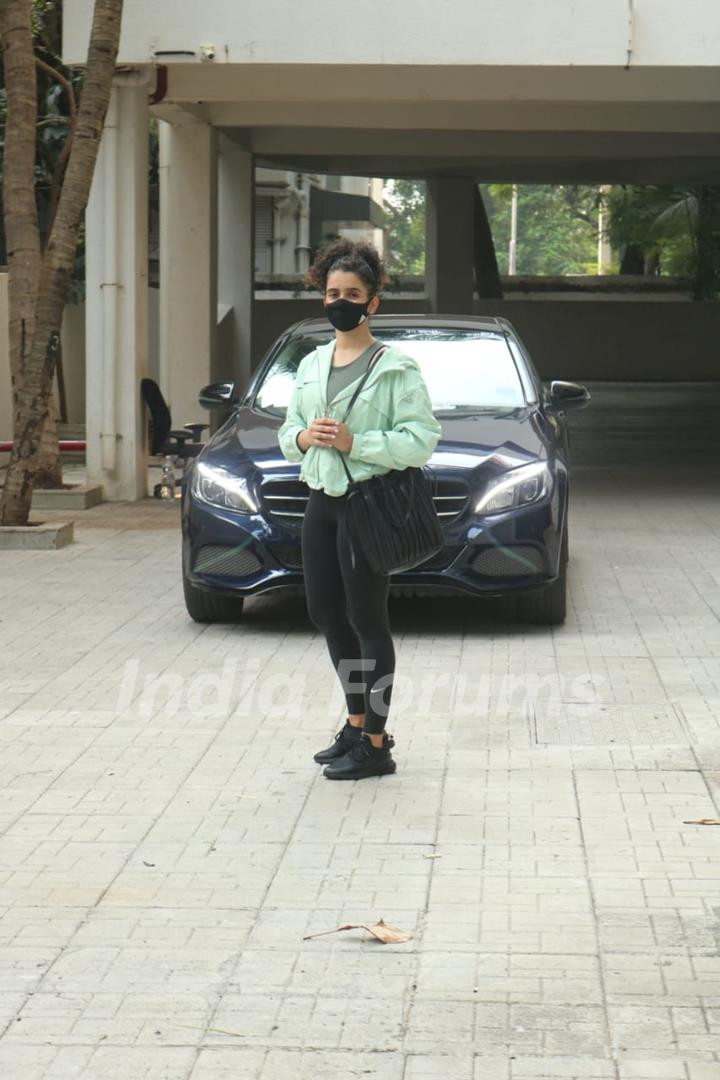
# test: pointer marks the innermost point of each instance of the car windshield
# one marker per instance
(463, 369)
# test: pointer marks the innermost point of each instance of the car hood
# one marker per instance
(497, 439)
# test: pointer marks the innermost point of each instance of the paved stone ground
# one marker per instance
(165, 847)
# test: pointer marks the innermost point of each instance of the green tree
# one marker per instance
(39, 275)
(653, 229)
(57, 90)
(669, 229)
(556, 227)
(405, 226)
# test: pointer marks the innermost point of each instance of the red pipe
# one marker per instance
(64, 444)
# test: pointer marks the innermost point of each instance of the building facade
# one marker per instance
(256, 100)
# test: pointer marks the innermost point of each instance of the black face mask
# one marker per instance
(345, 314)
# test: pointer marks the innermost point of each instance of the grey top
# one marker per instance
(342, 376)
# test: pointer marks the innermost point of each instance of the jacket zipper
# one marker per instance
(325, 407)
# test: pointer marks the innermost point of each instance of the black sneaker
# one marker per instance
(363, 759)
(346, 737)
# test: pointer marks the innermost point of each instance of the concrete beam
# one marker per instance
(692, 170)
(475, 83)
(501, 156)
(428, 116)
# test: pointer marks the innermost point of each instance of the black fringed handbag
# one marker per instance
(391, 516)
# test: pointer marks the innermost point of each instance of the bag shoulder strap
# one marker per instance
(358, 388)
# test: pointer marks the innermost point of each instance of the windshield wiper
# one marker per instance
(474, 408)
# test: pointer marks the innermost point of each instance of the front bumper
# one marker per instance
(247, 554)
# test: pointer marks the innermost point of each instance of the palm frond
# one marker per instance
(675, 220)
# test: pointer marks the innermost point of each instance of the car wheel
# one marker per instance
(206, 607)
(547, 607)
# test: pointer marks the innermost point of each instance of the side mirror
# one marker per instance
(218, 395)
(568, 395)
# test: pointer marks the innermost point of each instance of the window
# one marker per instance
(263, 234)
(463, 370)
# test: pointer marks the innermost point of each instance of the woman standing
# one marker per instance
(391, 426)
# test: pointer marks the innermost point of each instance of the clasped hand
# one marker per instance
(332, 433)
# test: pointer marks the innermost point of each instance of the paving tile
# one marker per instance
(167, 842)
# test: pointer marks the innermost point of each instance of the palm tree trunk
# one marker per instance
(49, 469)
(19, 209)
(58, 258)
(633, 260)
(651, 264)
(48, 473)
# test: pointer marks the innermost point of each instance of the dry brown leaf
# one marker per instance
(703, 821)
(388, 935)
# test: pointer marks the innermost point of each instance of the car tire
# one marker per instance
(565, 550)
(547, 607)
(207, 607)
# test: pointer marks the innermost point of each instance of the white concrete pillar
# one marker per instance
(117, 297)
(236, 260)
(449, 245)
(188, 263)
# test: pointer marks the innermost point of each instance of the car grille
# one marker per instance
(516, 561)
(450, 497)
(440, 560)
(290, 556)
(285, 500)
(227, 560)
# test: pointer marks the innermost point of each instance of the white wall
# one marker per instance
(73, 347)
(561, 32)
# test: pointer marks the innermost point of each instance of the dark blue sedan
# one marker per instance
(499, 474)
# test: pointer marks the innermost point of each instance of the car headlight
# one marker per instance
(516, 488)
(218, 487)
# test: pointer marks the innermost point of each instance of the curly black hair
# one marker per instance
(357, 256)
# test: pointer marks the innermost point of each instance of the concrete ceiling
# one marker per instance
(519, 156)
(530, 124)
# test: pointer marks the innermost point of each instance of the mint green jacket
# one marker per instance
(392, 421)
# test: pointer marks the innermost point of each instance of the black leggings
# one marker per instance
(349, 606)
